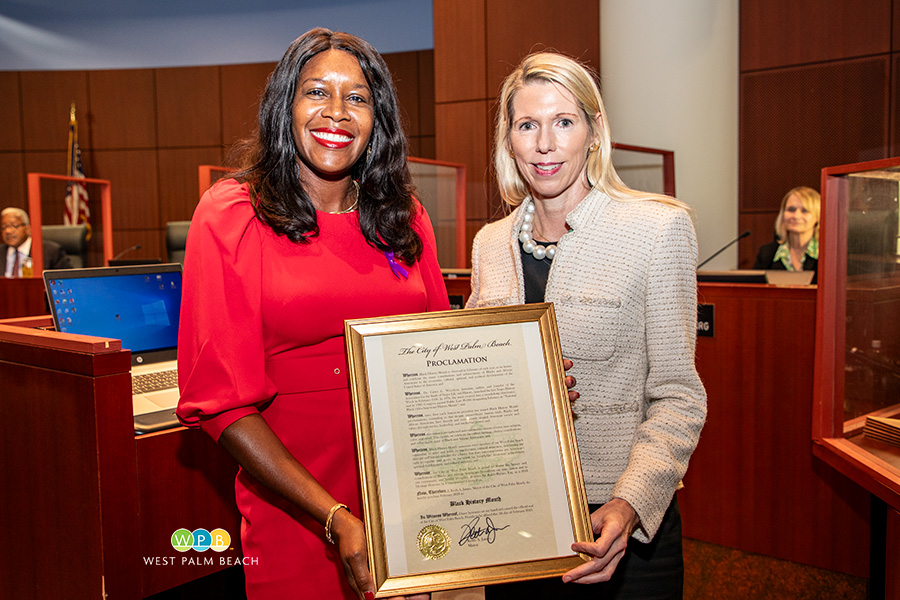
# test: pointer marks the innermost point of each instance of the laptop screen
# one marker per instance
(139, 305)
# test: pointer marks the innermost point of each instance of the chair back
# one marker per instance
(176, 239)
(72, 238)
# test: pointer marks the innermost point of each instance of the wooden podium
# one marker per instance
(88, 508)
(753, 482)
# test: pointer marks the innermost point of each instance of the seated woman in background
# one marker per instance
(797, 232)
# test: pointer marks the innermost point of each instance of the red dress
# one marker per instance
(262, 324)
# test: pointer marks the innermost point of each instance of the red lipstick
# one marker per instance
(332, 137)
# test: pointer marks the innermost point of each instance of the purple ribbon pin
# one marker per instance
(395, 266)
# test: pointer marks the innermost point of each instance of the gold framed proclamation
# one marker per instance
(468, 463)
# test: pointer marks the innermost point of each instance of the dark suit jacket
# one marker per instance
(54, 256)
(765, 259)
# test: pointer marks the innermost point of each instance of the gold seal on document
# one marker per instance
(434, 542)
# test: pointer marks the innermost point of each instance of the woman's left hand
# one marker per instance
(613, 524)
(570, 381)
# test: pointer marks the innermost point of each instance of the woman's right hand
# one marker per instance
(350, 538)
(259, 451)
(351, 541)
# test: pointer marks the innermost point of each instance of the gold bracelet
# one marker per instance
(333, 510)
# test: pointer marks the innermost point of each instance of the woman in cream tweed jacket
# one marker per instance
(624, 287)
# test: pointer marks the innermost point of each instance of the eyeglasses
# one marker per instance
(5, 227)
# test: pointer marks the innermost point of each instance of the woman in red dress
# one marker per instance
(319, 226)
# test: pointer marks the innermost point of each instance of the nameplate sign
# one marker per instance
(706, 320)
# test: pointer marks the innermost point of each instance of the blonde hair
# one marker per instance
(583, 84)
(811, 201)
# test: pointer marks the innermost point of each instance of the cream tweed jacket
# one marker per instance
(623, 284)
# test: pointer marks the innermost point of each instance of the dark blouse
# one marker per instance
(535, 272)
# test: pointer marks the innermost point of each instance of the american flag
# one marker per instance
(77, 209)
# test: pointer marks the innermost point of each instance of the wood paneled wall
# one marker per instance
(816, 91)
(476, 44)
(414, 77)
(147, 130)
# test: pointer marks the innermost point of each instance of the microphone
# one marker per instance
(138, 247)
(725, 247)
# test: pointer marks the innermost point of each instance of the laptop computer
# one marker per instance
(737, 276)
(139, 305)
(779, 277)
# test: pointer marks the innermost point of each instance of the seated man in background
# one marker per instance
(16, 230)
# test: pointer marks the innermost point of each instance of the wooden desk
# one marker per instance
(458, 288)
(753, 483)
(22, 297)
(87, 507)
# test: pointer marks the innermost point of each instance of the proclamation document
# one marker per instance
(470, 467)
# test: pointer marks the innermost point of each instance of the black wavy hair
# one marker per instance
(269, 159)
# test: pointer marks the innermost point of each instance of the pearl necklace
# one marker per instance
(537, 251)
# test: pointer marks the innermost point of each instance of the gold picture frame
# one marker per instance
(447, 408)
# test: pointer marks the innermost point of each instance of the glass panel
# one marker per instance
(640, 170)
(872, 369)
(436, 190)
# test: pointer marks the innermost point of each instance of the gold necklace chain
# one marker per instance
(350, 208)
